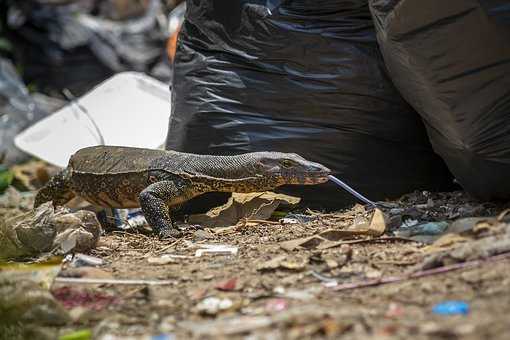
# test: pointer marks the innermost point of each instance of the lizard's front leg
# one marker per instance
(156, 199)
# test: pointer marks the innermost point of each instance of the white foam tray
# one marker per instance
(129, 109)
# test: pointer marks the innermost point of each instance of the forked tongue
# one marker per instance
(351, 190)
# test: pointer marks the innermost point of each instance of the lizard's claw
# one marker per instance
(169, 233)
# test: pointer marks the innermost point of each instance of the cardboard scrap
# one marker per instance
(335, 237)
(255, 206)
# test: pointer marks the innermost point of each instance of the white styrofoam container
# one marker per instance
(129, 109)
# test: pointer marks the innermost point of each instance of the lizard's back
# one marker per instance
(112, 176)
(114, 160)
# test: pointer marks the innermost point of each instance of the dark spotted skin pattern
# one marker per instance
(156, 180)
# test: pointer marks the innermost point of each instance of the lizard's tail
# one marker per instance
(57, 190)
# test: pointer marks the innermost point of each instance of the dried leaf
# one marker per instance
(378, 223)
(444, 242)
(284, 262)
(306, 242)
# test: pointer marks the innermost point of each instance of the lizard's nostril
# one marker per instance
(318, 168)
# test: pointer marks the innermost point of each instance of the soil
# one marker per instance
(266, 292)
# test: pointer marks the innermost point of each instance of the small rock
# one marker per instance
(202, 234)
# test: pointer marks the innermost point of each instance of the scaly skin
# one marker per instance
(155, 180)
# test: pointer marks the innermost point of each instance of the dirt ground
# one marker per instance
(267, 292)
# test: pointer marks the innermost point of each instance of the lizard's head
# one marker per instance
(289, 168)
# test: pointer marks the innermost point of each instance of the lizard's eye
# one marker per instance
(287, 163)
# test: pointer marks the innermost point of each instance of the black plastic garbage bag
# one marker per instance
(70, 45)
(298, 76)
(451, 61)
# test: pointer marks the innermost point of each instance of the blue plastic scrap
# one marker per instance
(163, 337)
(451, 308)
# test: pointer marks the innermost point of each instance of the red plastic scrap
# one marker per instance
(227, 285)
(71, 298)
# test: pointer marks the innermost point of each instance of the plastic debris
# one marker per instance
(175, 20)
(47, 229)
(84, 334)
(213, 305)
(71, 298)
(297, 294)
(287, 220)
(216, 249)
(80, 260)
(123, 219)
(163, 337)
(406, 223)
(451, 308)
(276, 305)
(292, 218)
(227, 285)
(430, 228)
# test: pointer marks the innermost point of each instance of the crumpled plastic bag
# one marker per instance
(48, 230)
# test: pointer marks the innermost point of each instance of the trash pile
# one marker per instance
(257, 266)
(75, 45)
(406, 111)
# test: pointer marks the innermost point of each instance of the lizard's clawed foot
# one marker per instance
(166, 233)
